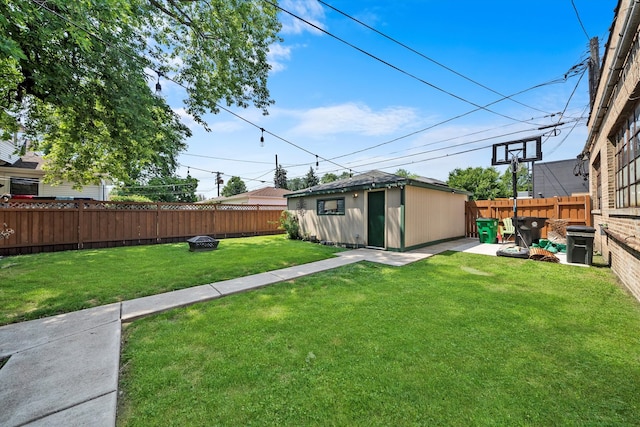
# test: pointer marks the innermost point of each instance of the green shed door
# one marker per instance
(375, 220)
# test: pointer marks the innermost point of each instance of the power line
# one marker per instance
(452, 146)
(221, 173)
(427, 57)
(558, 80)
(225, 159)
(580, 20)
(413, 76)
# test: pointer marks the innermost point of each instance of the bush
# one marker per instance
(289, 222)
(130, 198)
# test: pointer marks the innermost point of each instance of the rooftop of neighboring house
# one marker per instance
(30, 160)
(261, 193)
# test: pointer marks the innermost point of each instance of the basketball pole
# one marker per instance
(514, 179)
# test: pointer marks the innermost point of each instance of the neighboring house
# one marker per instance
(22, 177)
(381, 210)
(7, 153)
(613, 148)
(557, 179)
(262, 196)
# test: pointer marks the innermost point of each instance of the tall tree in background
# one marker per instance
(523, 179)
(75, 76)
(485, 184)
(405, 173)
(330, 177)
(280, 178)
(295, 184)
(234, 186)
(310, 179)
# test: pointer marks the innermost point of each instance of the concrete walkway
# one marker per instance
(63, 370)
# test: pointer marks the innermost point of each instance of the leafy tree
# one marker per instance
(129, 198)
(405, 173)
(76, 75)
(280, 178)
(234, 186)
(163, 189)
(295, 184)
(485, 184)
(310, 179)
(523, 180)
(329, 177)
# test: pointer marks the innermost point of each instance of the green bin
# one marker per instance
(487, 230)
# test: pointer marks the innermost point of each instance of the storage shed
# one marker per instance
(381, 210)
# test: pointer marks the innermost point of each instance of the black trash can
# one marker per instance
(580, 244)
(530, 228)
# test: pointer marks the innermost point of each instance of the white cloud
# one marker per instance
(277, 55)
(186, 118)
(354, 118)
(309, 10)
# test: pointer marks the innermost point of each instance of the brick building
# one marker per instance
(612, 149)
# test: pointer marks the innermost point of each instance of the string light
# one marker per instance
(158, 86)
(262, 137)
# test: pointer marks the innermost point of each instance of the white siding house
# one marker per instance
(23, 178)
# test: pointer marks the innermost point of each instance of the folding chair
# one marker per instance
(507, 229)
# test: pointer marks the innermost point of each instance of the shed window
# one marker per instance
(331, 206)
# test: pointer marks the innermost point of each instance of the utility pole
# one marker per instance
(594, 68)
(275, 180)
(219, 181)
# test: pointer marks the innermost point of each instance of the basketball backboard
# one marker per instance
(524, 150)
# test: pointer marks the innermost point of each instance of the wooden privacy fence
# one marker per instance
(46, 226)
(575, 210)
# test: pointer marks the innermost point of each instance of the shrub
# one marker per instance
(289, 222)
(130, 198)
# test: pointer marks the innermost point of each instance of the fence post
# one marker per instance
(80, 223)
(157, 222)
(587, 211)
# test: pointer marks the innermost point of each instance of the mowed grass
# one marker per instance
(456, 340)
(33, 286)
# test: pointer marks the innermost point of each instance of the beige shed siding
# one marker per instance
(393, 218)
(348, 228)
(432, 215)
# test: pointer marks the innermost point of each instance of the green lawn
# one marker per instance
(33, 286)
(457, 339)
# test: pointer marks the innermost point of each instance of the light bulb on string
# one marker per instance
(262, 137)
(158, 86)
(317, 162)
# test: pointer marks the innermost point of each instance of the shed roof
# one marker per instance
(374, 179)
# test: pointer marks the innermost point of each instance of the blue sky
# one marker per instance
(355, 112)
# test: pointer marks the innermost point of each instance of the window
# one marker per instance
(331, 206)
(597, 203)
(627, 141)
(24, 186)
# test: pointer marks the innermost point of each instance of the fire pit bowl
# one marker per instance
(202, 243)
